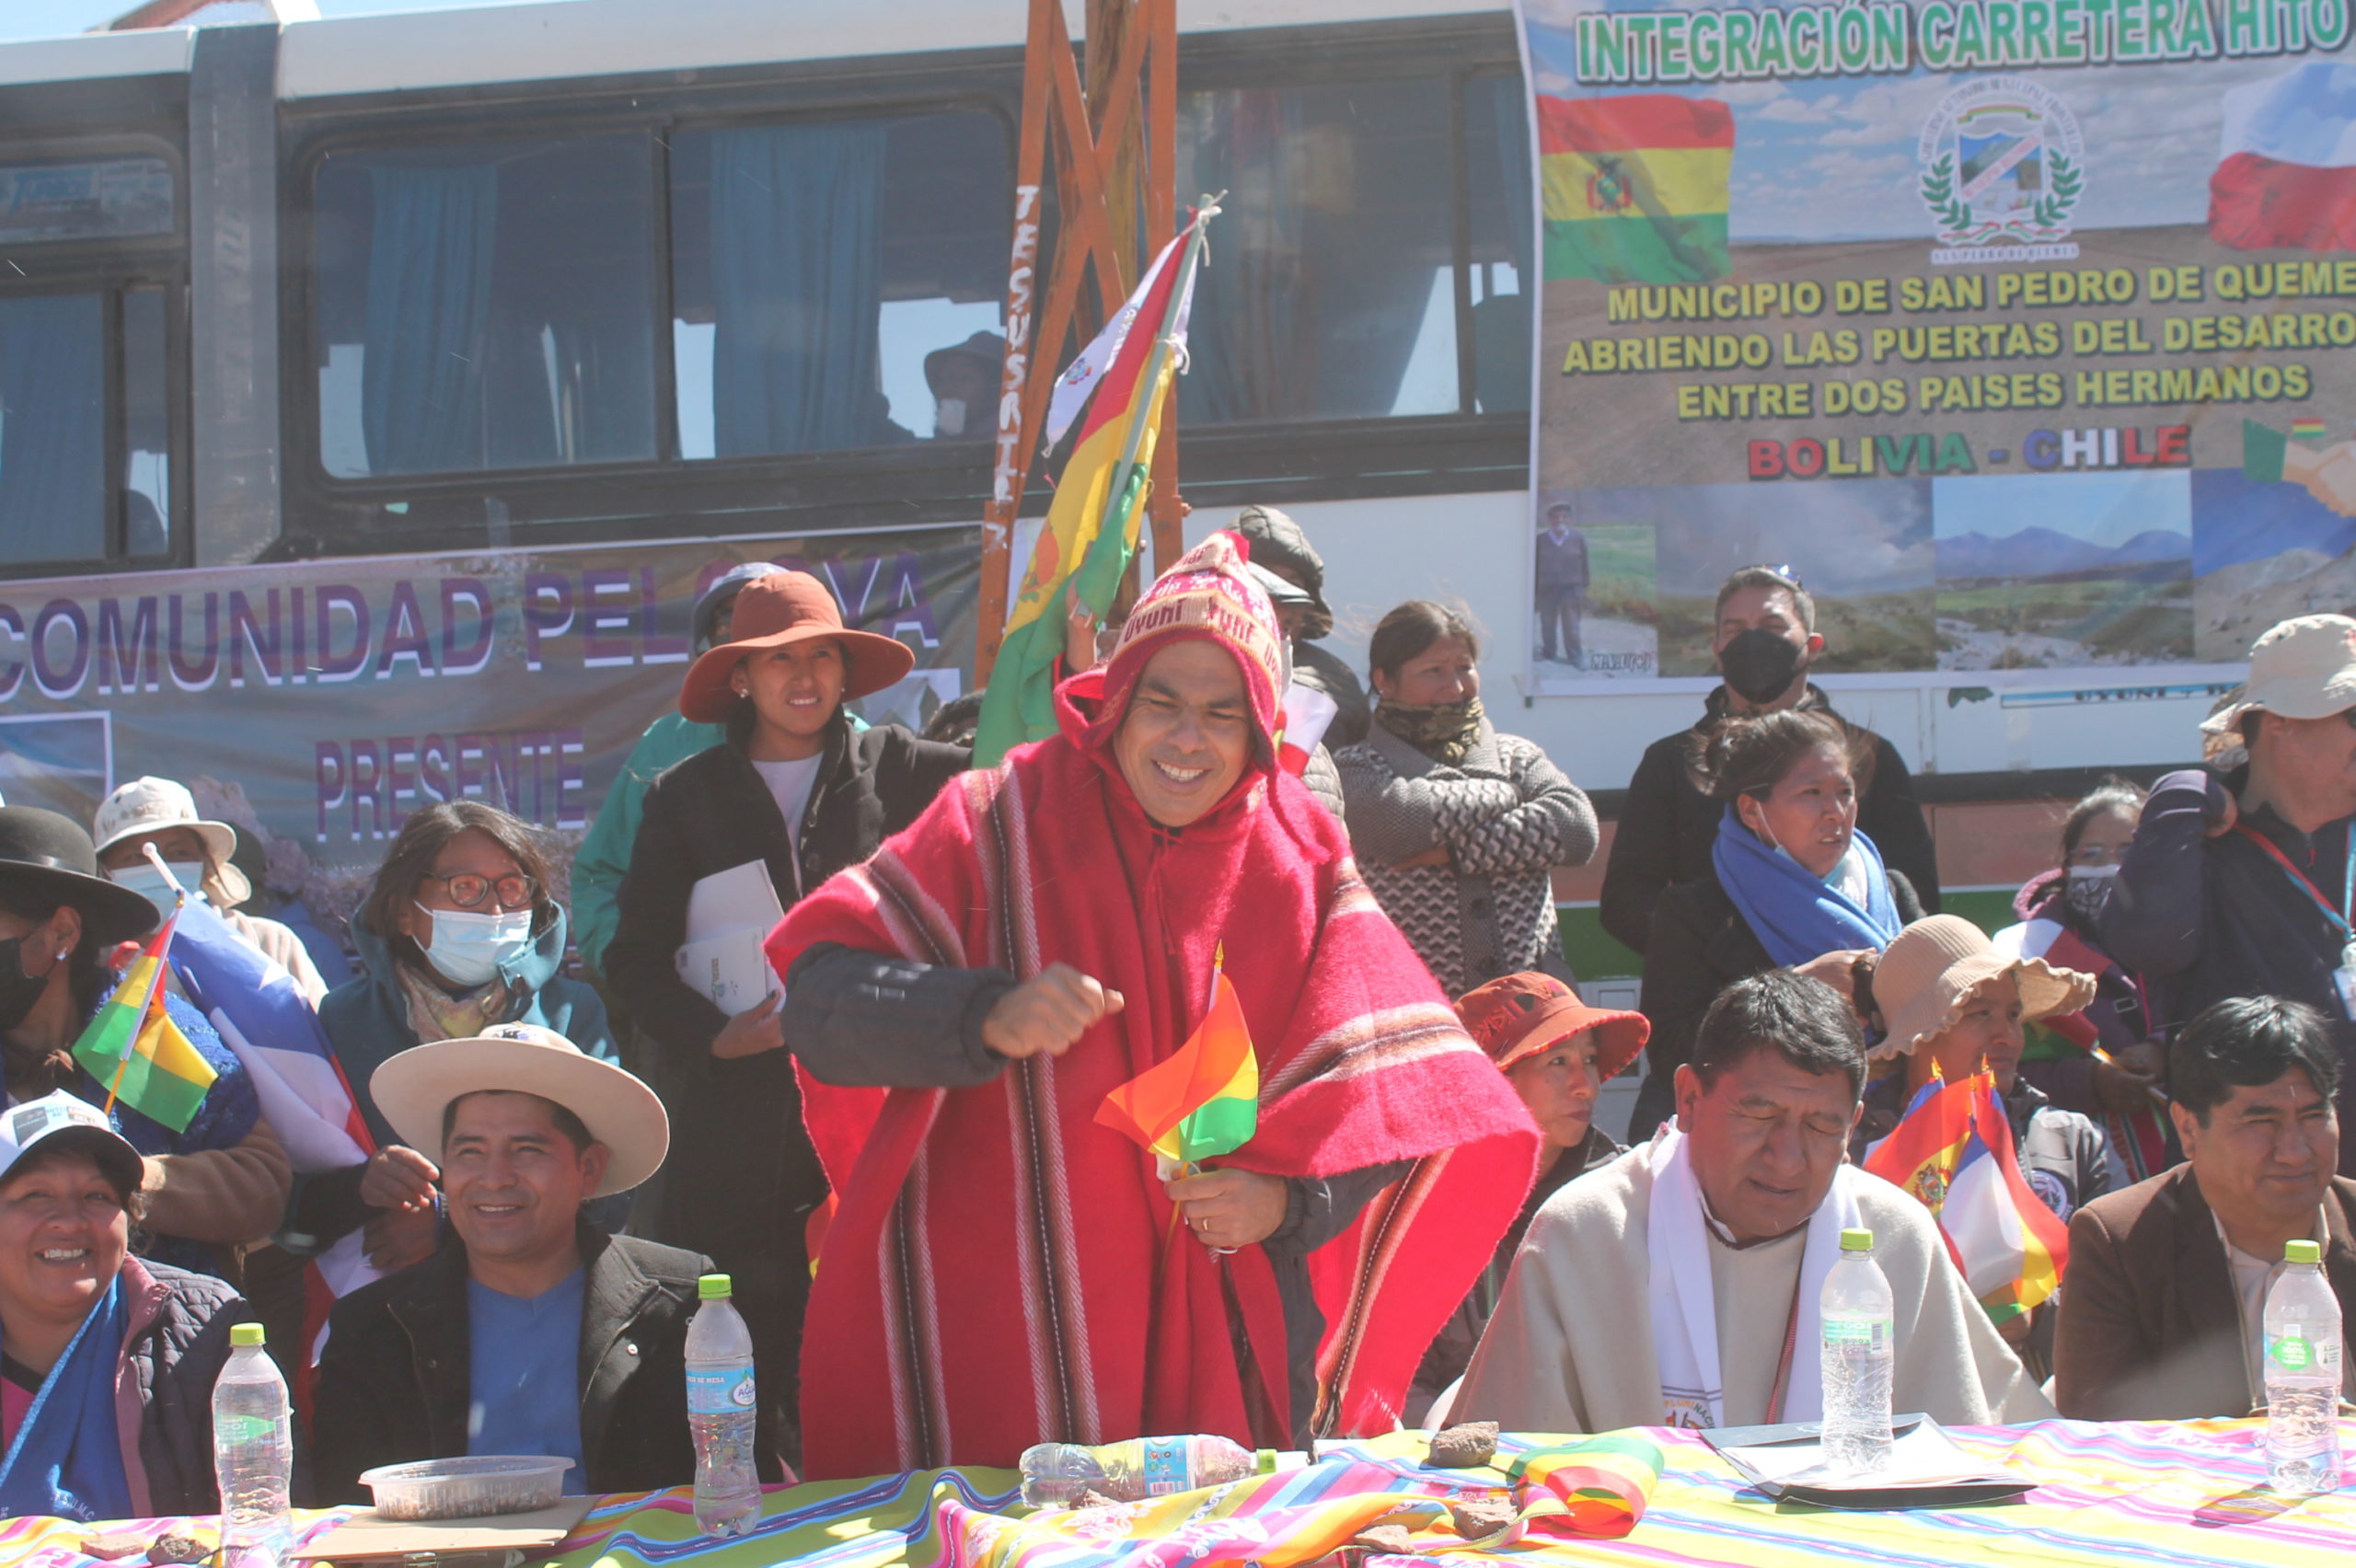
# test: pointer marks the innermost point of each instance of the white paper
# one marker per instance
(1925, 1455)
(741, 895)
(730, 915)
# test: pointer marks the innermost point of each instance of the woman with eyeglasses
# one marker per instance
(460, 932)
(2102, 1062)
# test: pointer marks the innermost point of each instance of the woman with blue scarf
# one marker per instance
(107, 1363)
(1796, 885)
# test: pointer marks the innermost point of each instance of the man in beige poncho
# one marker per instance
(1678, 1284)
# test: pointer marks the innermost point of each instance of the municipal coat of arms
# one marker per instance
(2002, 165)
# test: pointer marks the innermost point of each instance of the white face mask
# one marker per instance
(949, 417)
(150, 884)
(471, 949)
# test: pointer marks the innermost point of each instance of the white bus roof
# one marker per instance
(597, 38)
(153, 52)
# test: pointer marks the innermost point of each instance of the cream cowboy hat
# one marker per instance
(2303, 668)
(416, 1086)
(1932, 965)
(155, 805)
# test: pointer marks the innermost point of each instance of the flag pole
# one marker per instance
(1198, 233)
(130, 1046)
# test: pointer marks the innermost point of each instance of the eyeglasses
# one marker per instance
(466, 890)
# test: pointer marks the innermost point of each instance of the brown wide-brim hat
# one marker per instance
(782, 608)
(1931, 967)
(1518, 1016)
(416, 1085)
(51, 857)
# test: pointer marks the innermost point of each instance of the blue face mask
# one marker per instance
(151, 884)
(471, 949)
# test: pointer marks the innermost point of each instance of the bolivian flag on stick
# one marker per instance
(1954, 1151)
(134, 1049)
(1205, 1100)
(1635, 186)
(1122, 380)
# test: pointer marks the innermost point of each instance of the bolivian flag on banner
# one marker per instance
(134, 1048)
(1091, 528)
(1205, 1100)
(1953, 1151)
(1635, 186)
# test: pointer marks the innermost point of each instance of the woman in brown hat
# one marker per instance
(793, 788)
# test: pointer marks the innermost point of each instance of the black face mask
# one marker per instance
(18, 991)
(1759, 665)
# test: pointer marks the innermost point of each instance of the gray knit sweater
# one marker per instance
(1507, 817)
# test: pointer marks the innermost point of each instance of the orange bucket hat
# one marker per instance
(781, 608)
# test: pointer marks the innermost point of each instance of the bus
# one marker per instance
(376, 393)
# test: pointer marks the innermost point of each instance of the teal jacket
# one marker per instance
(604, 856)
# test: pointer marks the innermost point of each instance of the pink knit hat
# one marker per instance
(1209, 594)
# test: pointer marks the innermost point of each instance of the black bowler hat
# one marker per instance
(49, 857)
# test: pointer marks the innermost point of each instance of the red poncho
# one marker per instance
(1000, 1270)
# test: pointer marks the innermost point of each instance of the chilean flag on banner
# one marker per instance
(1307, 714)
(2287, 179)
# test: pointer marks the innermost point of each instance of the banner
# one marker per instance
(315, 705)
(2018, 330)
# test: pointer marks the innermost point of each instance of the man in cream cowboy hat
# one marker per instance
(2240, 880)
(529, 1331)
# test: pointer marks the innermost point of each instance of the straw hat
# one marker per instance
(774, 611)
(1518, 1016)
(2303, 668)
(156, 805)
(414, 1088)
(1925, 975)
(51, 857)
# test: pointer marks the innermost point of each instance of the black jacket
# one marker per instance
(743, 1176)
(2206, 918)
(395, 1382)
(1667, 827)
(175, 1348)
(1701, 944)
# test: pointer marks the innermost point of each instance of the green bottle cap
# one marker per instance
(2302, 1253)
(1856, 1238)
(714, 1287)
(1268, 1461)
(245, 1336)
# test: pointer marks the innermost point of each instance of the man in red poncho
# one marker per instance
(1001, 1270)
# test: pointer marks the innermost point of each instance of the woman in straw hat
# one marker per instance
(793, 788)
(1954, 1005)
(221, 1180)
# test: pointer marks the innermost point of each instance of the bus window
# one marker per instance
(837, 285)
(53, 428)
(1497, 191)
(486, 305)
(146, 428)
(1330, 292)
(99, 198)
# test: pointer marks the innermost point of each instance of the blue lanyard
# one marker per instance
(2345, 915)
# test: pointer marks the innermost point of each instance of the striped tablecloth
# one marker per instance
(2115, 1495)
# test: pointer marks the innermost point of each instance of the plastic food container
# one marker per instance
(467, 1488)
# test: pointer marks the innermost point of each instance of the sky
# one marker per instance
(52, 19)
(2105, 509)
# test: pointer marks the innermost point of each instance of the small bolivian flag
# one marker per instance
(134, 1048)
(1204, 1101)
(2309, 429)
(1635, 186)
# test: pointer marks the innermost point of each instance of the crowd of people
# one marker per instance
(896, 1153)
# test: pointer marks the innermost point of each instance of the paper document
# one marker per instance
(1926, 1468)
(730, 915)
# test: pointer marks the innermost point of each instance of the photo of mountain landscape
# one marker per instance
(2262, 553)
(2064, 571)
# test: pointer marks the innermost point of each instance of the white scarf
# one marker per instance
(1682, 1302)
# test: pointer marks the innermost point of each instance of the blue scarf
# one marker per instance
(1796, 914)
(68, 1459)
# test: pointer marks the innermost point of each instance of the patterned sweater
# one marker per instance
(1507, 816)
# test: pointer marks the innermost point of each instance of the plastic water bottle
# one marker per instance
(253, 1452)
(1055, 1474)
(1860, 1356)
(722, 1401)
(2303, 1349)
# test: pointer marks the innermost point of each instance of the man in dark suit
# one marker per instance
(2163, 1307)
(1561, 581)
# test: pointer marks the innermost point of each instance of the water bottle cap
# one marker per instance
(1264, 1461)
(714, 1287)
(245, 1336)
(2302, 1253)
(1856, 1238)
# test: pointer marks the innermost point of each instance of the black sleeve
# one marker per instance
(913, 773)
(1903, 894)
(1679, 986)
(1892, 818)
(1644, 847)
(2150, 922)
(323, 1209)
(651, 907)
(865, 1020)
(1319, 1208)
(351, 1417)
